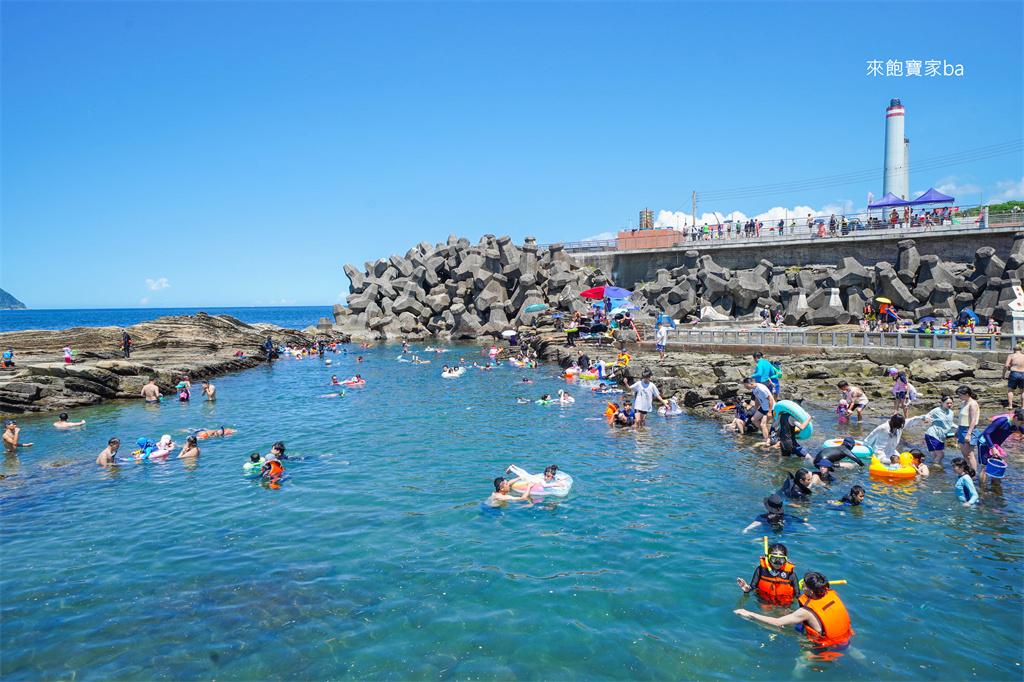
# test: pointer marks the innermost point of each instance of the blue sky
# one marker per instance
(180, 154)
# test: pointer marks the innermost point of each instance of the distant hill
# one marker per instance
(8, 302)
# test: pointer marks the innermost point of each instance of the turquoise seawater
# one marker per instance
(375, 558)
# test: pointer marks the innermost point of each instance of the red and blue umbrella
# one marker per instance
(607, 292)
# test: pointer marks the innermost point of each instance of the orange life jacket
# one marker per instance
(834, 619)
(776, 588)
(610, 410)
(275, 468)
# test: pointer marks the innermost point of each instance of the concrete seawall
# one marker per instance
(628, 268)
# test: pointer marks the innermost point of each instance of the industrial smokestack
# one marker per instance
(897, 150)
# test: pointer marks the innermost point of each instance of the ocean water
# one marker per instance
(291, 317)
(376, 559)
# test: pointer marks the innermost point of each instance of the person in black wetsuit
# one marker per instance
(268, 346)
(854, 498)
(838, 453)
(797, 485)
(788, 426)
(775, 518)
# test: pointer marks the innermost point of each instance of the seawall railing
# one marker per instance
(650, 239)
(841, 340)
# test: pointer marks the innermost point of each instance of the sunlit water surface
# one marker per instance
(376, 559)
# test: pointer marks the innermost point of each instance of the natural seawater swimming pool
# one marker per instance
(376, 560)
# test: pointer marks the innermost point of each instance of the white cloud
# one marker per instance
(1008, 190)
(158, 284)
(679, 220)
(959, 187)
(602, 236)
(144, 301)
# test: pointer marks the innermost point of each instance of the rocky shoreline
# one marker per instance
(459, 290)
(199, 346)
(699, 380)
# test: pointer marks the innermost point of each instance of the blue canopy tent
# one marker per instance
(932, 196)
(890, 200)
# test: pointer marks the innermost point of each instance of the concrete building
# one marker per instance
(896, 174)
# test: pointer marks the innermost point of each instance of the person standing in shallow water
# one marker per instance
(646, 392)
(1015, 366)
(268, 348)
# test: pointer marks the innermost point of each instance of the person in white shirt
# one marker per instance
(765, 405)
(646, 393)
(885, 439)
(660, 337)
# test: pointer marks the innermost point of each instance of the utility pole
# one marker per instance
(695, 208)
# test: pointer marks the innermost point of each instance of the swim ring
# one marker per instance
(905, 470)
(861, 449)
(797, 412)
(450, 375)
(559, 487)
(670, 411)
(361, 382)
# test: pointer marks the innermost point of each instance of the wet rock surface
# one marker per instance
(167, 349)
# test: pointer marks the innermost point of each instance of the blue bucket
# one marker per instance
(995, 467)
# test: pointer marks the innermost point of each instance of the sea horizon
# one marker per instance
(292, 317)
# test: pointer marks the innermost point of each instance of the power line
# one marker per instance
(959, 158)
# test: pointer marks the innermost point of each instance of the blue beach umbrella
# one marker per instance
(665, 319)
(535, 308)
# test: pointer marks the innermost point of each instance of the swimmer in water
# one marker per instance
(502, 493)
(854, 498)
(272, 467)
(774, 578)
(255, 462)
(918, 462)
(63, 423)
(837, 453)
(359, 358)
(775, 518)
(210, 391)
(823, 476)
(213, 433)
(547, 482)
(334, 380)
(108, 456)
(523, 401)
(544, 399)
(525, 380)
(190, 449)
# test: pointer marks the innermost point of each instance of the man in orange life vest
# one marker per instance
(822, 616)
(774, 579)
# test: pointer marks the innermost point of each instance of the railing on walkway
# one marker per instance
(646, 239)
(592, 246)
(849, 340)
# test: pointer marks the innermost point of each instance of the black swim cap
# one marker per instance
(849, 442)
